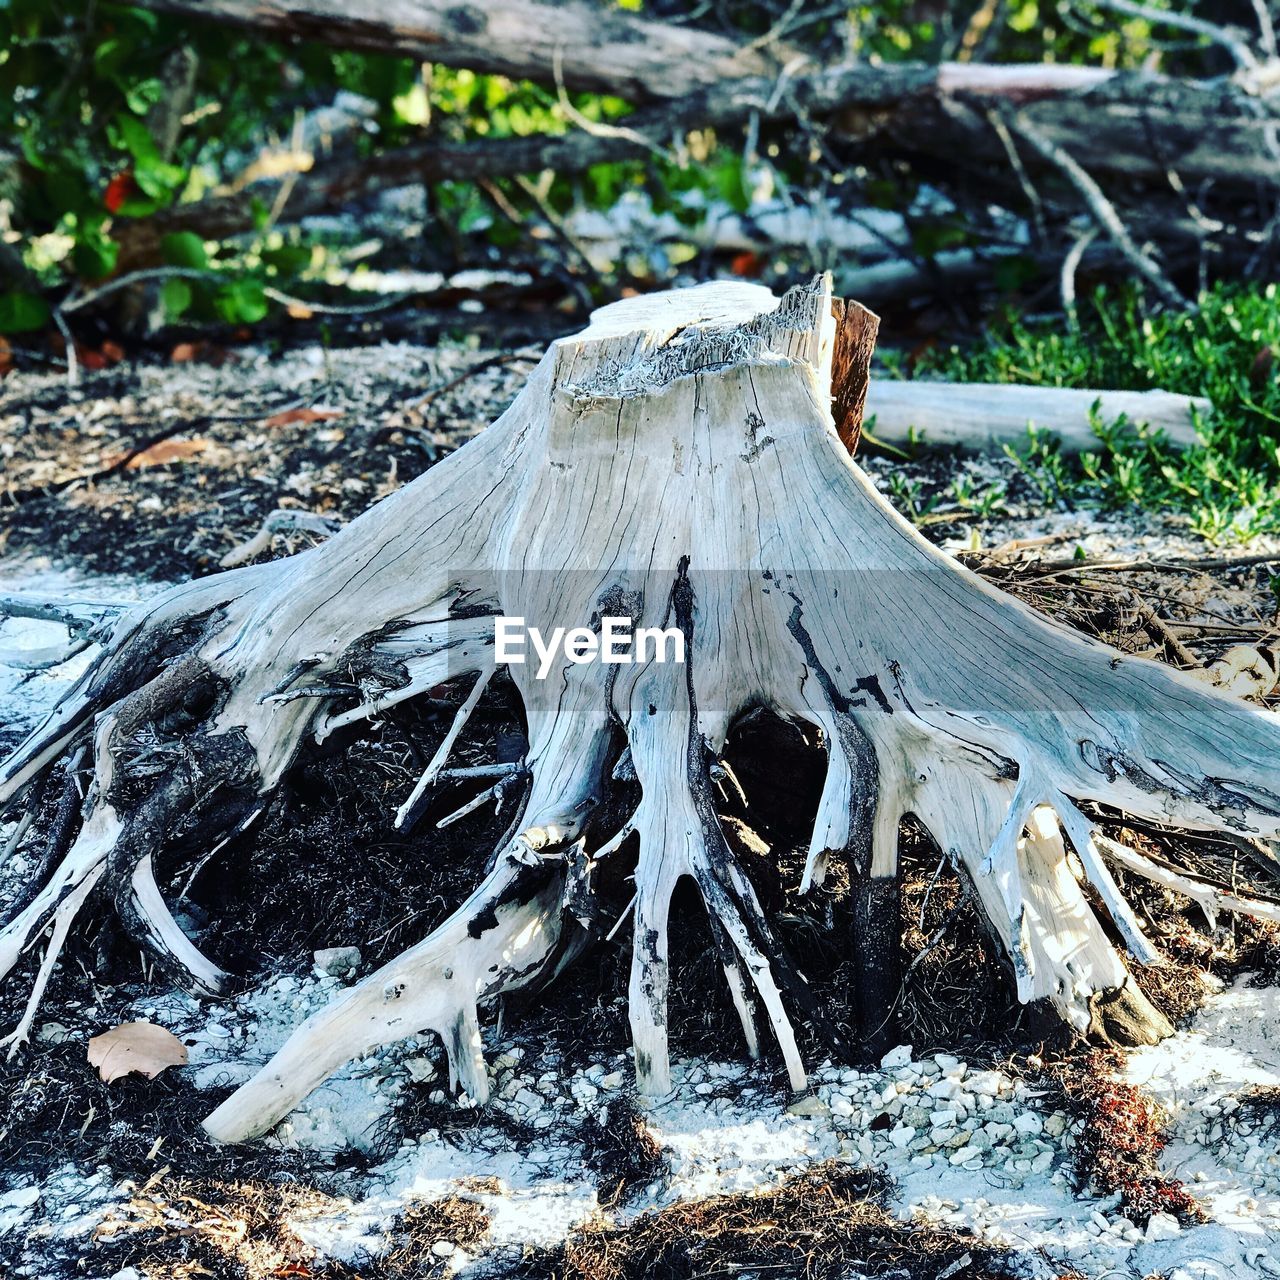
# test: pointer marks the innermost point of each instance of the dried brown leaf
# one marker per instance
(159, 454)
(289, 416)
(135, 1048)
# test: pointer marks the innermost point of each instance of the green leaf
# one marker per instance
(143, 95)
(135, 138)
(241, 302)
(135, 208)
(95, 258)
(110, 55)
(730, 184)
(261, 212)
(176, 296)
(413, 106)
(159, 180)
(184, 249)
(22, 312)
(288, 259)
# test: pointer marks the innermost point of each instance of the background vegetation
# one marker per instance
(113, 114)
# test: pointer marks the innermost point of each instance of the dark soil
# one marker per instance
(157, 471)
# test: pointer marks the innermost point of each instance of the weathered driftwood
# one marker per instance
(678, 464)
(989, 415)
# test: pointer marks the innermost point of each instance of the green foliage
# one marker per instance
(20, 312)
(241, 302)
(1228, 484)
(184, 249)
(1018, 31)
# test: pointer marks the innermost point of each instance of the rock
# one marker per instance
(944, 1118)
(444, 1248)
(420, 1069)
(896, 1057)
(528, 1100)
(1028, 1122)
(612, 1081)
(54, 1033)
(1163, 1226)
(128, 1273)
(1056, 1125)
(337, 962)
(22, 1198)
(810, 1105)
(985, 1083)
(901, 1136)
(964, 1154)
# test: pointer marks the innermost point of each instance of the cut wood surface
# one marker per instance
(989, 415)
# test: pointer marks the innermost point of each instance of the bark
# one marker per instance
(678, 464)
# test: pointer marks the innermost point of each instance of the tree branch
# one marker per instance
(601, 50)
(1208, 130)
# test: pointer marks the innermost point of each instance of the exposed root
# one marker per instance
(675, 465)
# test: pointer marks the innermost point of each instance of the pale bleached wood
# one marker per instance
(990, 415)
(676, 463)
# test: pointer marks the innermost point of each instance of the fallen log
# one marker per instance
(582, 46)
(1136, 127)
(591, 47)
(991, 415)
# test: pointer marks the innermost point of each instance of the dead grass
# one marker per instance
(177, 1229)
(956, 986)
(455, 1220)
(826, 1223)
(1119, 1146)
(1261, 1102)
(620, 1151)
